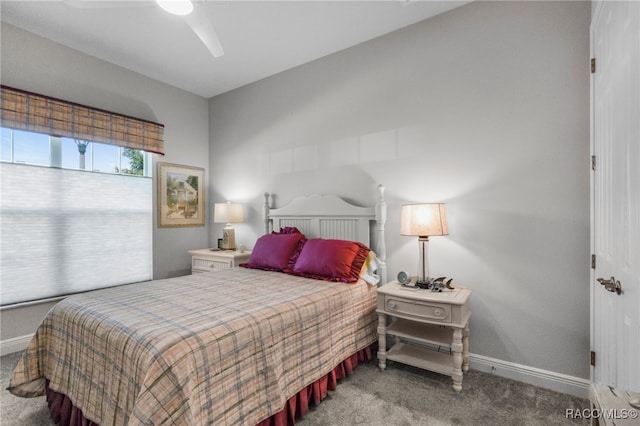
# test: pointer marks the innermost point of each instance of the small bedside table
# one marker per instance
(434, 319)
(205, 260)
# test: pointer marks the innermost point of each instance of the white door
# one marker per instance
(615, 42)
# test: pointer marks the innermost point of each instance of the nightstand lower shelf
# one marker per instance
(425, 333)
(424, 358)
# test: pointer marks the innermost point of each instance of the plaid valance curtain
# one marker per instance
(23, 110)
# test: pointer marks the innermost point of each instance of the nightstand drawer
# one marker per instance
(430, 311)
(208, 264)
(206, 260)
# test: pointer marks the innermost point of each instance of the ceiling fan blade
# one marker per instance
(200, 25)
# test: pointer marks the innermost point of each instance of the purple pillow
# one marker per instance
(333, 260)
(274, 251)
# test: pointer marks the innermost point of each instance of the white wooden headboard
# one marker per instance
(329, 216)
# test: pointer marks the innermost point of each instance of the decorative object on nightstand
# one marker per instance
(228, 213)
(441, 283)
(427, 322)
(423, 221)
(205, 260)
(405, 278)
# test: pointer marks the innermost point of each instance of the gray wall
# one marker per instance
(32, 63)
(486, 108)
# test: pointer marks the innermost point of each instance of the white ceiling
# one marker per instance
(260, 38)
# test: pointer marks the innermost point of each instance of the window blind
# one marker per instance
(67, 231)
(22, 110)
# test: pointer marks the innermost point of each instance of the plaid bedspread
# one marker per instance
(225, 347)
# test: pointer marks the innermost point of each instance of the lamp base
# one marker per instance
(424, 281)
(228, 239)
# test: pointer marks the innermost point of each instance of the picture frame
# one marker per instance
(181, 192)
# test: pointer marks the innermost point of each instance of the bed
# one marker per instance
(242, 346)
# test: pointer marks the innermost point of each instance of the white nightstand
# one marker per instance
(436, 320)
(205, 260)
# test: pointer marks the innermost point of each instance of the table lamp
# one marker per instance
(423, 221)
(228, 213)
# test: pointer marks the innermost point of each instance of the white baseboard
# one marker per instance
(15, 344)
(534, 376)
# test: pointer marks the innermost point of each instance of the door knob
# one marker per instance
(611, 285)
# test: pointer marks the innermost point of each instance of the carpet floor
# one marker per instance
(400, 395)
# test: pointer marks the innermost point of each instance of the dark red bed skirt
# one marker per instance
(64, 413)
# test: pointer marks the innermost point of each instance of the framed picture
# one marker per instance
(180, 195)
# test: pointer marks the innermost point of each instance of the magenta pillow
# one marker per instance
(333, 260)
(274, 251)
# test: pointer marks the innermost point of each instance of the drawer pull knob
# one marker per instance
(437, 312)
(392, 305)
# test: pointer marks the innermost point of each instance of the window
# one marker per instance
(65, 229)
(44, 150)
(75, 208)
(25, 147)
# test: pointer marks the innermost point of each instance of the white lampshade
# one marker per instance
(423, 220)
(228, 213)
